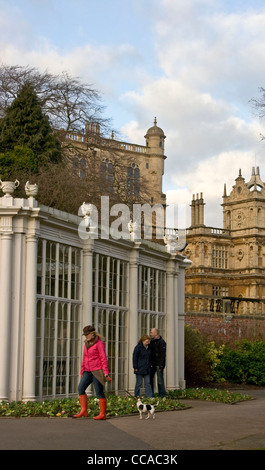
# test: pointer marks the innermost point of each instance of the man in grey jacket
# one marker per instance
(158, 361)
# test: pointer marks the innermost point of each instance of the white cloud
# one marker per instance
(197, 125)
(209, 64)
(212, 64)
(209, 178)
(207, 46)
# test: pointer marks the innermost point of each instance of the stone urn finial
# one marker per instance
(90, 217)
(170, 240)
(175, 240)
(134, 229)
(31, 189)
(8, 187)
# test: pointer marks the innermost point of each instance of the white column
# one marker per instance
(181, 327)
(87, 284)
(5, 316)
(133, 312)
(17, 317)
(30, 318)
(176, 317)
(171, 339)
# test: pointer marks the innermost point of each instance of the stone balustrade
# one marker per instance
(195, 303)
(108, 142)
(208, 230)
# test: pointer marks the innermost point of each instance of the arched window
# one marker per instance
(83, 165)
(107, 174)
(133, 180)
(79, 164)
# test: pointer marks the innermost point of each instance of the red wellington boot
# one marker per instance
(83, 404)
(103, 408)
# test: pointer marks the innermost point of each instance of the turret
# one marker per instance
(255, 179)
(155, 139)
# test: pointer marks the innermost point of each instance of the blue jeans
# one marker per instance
(160, 380)
(87, 379)
(147, 385)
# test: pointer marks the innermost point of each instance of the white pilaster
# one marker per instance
(29, 370)
(17, 317)
(181, 325)
(133, 312)
(5, 296)
(186, 263)
(87, 287)
(171, 339)
(176, 318)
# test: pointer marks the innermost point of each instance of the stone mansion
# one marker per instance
(229, 262)
(225, 262)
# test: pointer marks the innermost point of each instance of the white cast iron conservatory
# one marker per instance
(53, 283)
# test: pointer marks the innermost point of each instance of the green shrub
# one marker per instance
(13, 162)
(243, 363)
(198, 369)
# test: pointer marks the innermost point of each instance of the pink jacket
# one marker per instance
(94, 358)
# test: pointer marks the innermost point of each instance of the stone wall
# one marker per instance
(228, 328)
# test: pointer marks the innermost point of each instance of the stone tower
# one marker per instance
(140, 167)
(244, 208)
(155, 138)
(230, 261)
(155, 143)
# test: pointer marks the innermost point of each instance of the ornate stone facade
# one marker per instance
(140, 167)
(229, 261)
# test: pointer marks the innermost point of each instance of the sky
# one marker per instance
(195, 65)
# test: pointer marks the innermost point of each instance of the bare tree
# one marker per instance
(63, 187)
(68, 102)
(75, 112)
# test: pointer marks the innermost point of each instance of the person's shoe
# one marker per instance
(83, 404)
(103, 408)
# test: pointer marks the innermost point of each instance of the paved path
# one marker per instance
(204, 426)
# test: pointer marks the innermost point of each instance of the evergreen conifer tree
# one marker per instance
(27, 128)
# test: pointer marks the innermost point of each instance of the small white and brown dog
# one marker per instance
(146, 408)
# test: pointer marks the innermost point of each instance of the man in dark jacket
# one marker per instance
(158, 361)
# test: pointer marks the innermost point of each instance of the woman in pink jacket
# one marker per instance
(94, 369)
